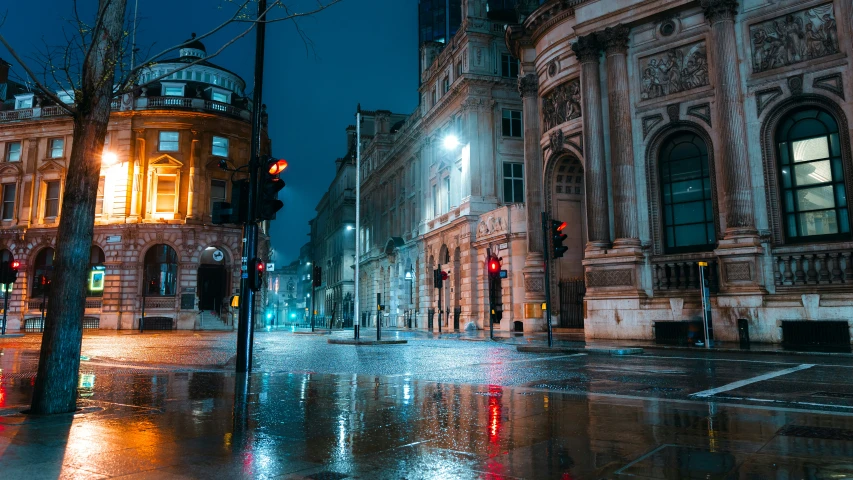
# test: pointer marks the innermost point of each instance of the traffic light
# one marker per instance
(317, 278)
(234, 212)
(256, 274)
(269, 184)
(437, 278)
(9, 271)
(494, 266)
(557, 237)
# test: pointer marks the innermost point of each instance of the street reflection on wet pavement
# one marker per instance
(567, 417)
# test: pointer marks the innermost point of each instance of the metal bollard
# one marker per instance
(355, 331)
(743, 333)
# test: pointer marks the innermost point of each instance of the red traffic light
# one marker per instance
(444, 275)
(277, 166)
(16, 264)
(494, 265)
(561, 227)
(261, 267)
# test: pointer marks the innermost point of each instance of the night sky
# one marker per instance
(364, 51)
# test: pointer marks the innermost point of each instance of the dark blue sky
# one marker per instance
(366, 51)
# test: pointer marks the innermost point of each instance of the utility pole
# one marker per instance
(491, 297)
(245, 329)
(357, 214)
(545, 224)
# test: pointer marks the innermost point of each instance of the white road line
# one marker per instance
(765, 362)
(741, 383)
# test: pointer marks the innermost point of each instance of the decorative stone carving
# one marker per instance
(673, 111)
(719, 9)
(562, 104)
(587, 49)
(614, 39)
(553, 67)
(832, 83)
(793, 38)
(795, 84)
(738, 271)
(676, 70)
(556, 141)
(765, 97)
(650, 122)
(490, 226)
(534, 284)
(702, 111)
(610, 278)
(576, 140)
(528, 85)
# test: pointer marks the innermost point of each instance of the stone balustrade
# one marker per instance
(683, 275)
(817, 268)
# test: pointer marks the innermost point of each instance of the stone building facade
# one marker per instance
(154, 241)
(446, 183)
(710, 130)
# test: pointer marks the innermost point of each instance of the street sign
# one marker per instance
(218, 256)
(270, 267)
(503, 273)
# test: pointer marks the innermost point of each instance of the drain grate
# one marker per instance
(659, 389)
(825, 433)
(327, 476)
(833, 394)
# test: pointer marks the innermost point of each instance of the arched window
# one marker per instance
(42, 271)
(813, 196)
(97, 273)
(685, 180)
(161, 270)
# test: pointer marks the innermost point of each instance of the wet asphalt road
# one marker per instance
(434, 408)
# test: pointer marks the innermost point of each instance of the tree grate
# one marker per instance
(825, 433)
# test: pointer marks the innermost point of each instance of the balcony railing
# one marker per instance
(23, 114)
(683, 275)
(818, 268)
(170, 102)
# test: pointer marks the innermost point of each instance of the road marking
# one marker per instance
(741, 383)
(663, 357)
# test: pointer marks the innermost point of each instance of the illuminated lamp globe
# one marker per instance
(451, 142)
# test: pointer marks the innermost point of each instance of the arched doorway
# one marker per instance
(212, 279)
(161, 271)
(567, 204)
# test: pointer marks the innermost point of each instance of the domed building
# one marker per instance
(696, 144)
(155, 249)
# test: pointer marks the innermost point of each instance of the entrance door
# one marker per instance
(211, 287)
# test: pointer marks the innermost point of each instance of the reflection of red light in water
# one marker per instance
(495, 393)
(567, 476)
(2, 396)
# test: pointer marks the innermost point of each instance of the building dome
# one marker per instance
(193, 48)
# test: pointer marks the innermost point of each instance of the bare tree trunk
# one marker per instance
(59, 362)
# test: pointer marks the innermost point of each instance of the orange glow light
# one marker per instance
(561, 227)
(278, 167)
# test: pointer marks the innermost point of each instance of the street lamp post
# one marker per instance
(357, 212)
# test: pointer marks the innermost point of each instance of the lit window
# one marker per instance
(511, 124)
(9, 201)
(219, 97)
(99, 200)
(51, 199)
(13, 152)
(57, 147)
(217, 191)
(166, 193)
(220, 146)
(24, 101)
(513, 183)
(168, 141)
(509, 66)
(173, 91)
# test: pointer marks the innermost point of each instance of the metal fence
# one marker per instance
(571, 303)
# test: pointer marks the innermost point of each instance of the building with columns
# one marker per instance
(155, 247)
(709, 131)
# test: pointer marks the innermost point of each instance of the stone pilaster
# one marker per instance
(534, 273)
(615, 42)
(597, 209)
(740, 251)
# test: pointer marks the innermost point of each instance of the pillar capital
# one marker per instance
(614, 39)
(587, 49)
(719, 10)
(528, 85)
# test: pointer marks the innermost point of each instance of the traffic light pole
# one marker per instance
(5, 306)
(545, 252)
(245, 330)
(491, 297)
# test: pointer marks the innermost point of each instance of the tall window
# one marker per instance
(161, 270)
(51, 199)
(217, 192)
(168, 142)
(446, 194)
(8, 201)
(511, 125)
(513, 183)
(435, 200)
(445, 85)
(99, 200)
(220, 146)
(42, 271)
(509, 66)
(13, 152)
(57, 147)
(167, 190)
(688, 219)
(814, 199)
(459, 69)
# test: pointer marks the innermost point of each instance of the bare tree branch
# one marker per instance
(44, 90)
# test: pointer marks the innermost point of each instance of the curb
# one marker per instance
(341, 341)
(732, 351)
(12, 335)
(312, 333)
(588, 350)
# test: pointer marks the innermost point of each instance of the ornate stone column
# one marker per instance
(740, 219)
(615, 42)
(597, 209)
(528, 87)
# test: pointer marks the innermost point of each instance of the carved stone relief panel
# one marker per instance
(561, 104)
(675, 70)
(610, 278)
(794, 38)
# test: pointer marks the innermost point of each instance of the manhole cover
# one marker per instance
(826, 433)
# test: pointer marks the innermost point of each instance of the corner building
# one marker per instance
(154, 242)
(711, 130)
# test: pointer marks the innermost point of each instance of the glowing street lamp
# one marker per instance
(109, 159)
(451, 142)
